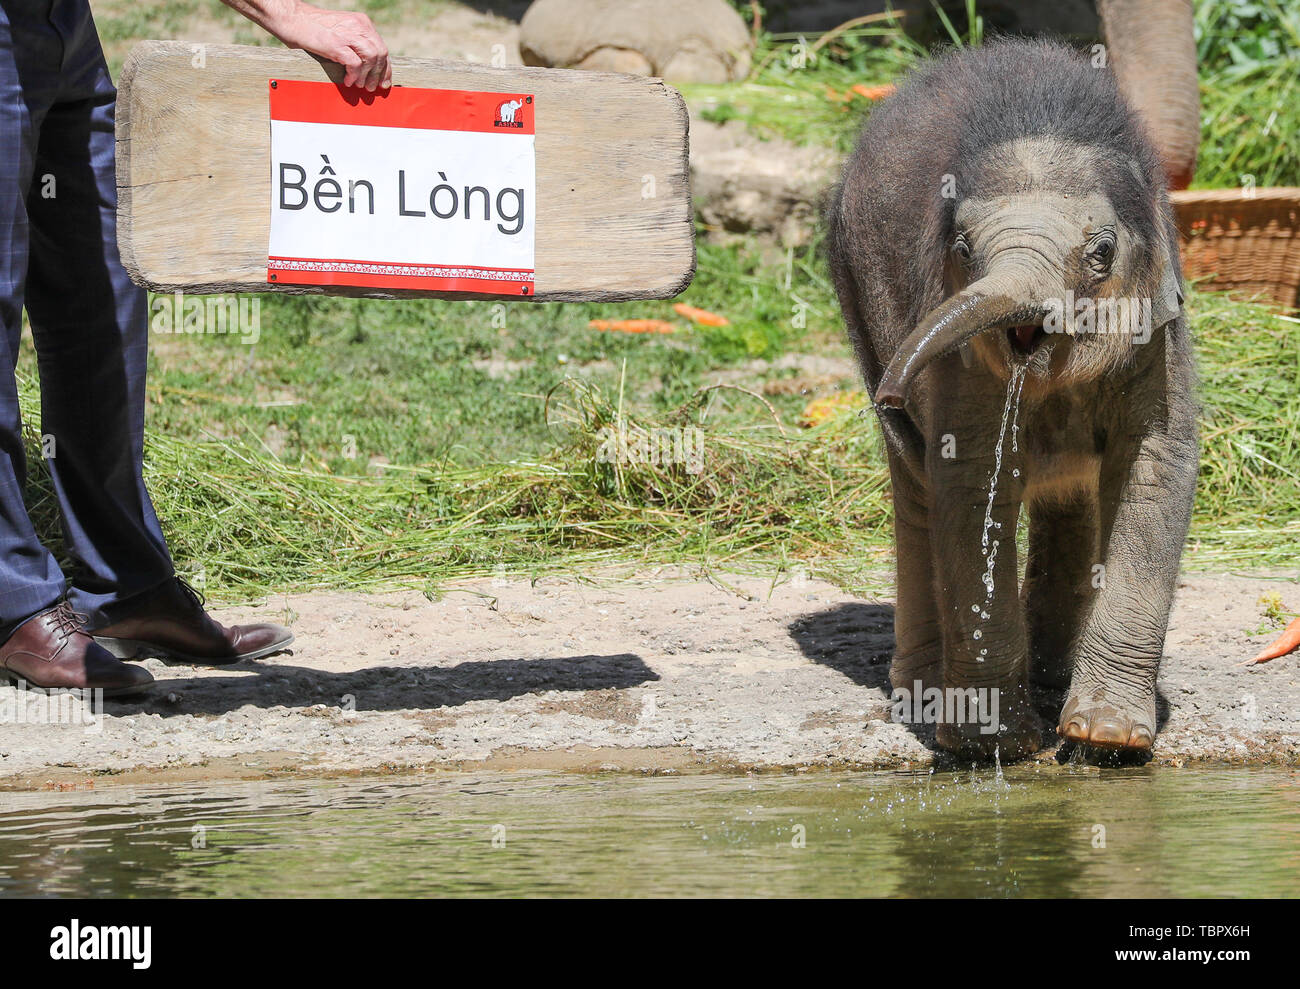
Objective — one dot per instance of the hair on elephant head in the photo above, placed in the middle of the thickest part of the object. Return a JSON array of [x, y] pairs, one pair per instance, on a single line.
[[1004, 220]]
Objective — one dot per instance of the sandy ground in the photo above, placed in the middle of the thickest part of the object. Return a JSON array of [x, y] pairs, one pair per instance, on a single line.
[[648, 675]]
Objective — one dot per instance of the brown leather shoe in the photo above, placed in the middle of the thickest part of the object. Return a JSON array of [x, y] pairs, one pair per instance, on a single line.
[[170, 623], [53, 651]]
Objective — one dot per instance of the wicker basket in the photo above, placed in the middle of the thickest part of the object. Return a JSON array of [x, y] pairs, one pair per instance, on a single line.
[[1249, 244]]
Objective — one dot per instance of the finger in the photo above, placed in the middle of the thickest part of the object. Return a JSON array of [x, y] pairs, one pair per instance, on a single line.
[[352, 63], [377, 72], [376, 53], [365, 49], [373, 51], [365, 70], [384, 64]]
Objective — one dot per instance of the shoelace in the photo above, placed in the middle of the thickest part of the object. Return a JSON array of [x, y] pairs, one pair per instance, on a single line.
[[66, 621], [196, 596]]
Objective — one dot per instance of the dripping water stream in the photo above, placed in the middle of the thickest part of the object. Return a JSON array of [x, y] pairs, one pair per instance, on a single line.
[[988, 545]]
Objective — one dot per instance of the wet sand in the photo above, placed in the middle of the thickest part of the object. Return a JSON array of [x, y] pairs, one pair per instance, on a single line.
[[646, 676]]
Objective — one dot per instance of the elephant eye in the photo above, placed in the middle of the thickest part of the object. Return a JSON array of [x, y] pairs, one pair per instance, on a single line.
[[1103, 252], [961, 247]]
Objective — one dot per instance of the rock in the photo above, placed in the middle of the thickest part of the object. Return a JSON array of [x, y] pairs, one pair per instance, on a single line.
[[678, 40], [453, 31], [743, 184]]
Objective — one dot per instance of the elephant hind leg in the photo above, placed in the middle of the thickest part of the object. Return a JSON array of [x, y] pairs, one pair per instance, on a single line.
[[1061, 579]]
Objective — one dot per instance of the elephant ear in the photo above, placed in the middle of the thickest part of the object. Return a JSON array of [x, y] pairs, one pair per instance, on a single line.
[[1168, 302]]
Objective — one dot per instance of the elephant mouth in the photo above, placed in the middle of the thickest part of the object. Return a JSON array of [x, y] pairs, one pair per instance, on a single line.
[[1026, 338]]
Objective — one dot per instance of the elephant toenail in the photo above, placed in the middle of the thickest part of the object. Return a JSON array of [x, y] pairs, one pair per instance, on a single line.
[[1108, 731], [1140, 739], [1076, 729]]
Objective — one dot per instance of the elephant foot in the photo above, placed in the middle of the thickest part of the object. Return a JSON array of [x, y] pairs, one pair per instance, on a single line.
[[905, 671], [1106, 723], [1006, 745], [1018, 734]]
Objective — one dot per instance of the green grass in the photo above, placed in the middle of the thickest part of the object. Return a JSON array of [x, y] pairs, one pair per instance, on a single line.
[[364, 444], [425, 381], [542, 501], [1249, 65], [800, 87]]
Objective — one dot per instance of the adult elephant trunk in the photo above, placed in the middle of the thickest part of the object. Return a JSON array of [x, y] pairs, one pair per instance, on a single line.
[[1002, 299], [1152, 51]]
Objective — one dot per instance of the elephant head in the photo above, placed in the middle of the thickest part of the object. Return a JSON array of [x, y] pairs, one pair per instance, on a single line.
[[1059, 257]]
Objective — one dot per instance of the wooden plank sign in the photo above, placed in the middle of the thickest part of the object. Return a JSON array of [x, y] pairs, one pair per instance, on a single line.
[[245, 169]]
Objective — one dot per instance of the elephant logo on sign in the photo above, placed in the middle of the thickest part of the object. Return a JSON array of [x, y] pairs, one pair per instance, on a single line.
[[506, 113]]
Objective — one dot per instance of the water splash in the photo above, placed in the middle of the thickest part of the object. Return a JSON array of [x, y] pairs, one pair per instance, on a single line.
[[988, 546], [1013, 399]]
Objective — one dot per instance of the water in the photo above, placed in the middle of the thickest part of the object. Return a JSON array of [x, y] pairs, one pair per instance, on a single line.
[[1012, 831], [1010, 409]]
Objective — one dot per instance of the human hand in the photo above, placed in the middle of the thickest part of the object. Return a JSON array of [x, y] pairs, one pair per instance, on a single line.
[[346, 37]]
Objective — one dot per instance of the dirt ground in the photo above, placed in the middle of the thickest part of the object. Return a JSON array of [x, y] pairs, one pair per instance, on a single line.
[[649, 675]]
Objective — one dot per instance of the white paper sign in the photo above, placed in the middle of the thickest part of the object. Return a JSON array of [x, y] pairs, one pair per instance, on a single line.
[[413, 188]]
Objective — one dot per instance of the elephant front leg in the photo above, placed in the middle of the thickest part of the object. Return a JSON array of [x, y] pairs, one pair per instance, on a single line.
[[1146, 504], [985, 651], [917, 664]]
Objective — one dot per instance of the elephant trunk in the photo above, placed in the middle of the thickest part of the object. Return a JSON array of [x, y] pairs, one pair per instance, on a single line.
[[995, 302]]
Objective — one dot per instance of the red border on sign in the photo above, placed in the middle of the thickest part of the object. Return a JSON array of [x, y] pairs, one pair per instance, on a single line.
[[516, 282], [401, 106]]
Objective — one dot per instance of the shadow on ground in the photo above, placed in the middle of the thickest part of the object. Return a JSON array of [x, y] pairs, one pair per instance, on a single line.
[[386, 688]]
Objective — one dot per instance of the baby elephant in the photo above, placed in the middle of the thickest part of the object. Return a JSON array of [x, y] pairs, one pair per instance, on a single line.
[[1007, 266]]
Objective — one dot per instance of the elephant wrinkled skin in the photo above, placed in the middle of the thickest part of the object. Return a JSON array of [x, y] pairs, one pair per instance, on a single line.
[[999, 197]]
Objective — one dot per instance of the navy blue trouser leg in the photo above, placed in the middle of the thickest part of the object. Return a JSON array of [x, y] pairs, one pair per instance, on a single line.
[[58, 201]]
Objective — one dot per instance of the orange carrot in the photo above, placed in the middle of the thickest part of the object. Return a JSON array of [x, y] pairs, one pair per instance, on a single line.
[[1288, 641], [874, 92], [701, 316], [820, 409], [837, 97], [632, 325]]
